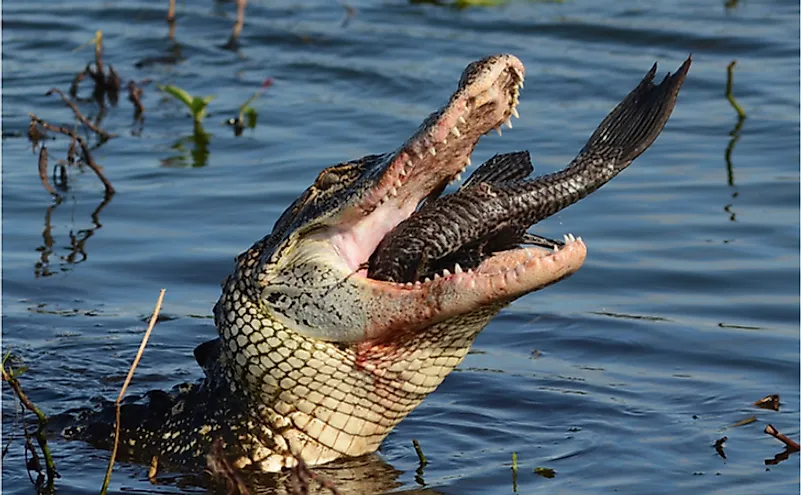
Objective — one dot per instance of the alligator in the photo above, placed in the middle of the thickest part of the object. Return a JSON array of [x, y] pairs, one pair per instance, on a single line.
[[372, 286]]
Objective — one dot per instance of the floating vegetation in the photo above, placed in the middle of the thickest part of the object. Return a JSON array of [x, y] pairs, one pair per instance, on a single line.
[[545, 472]]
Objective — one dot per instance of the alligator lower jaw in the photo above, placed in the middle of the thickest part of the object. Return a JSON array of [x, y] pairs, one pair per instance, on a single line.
[[501, 278]]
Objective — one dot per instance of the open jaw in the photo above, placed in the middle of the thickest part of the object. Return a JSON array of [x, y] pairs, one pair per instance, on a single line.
[[433, 157]]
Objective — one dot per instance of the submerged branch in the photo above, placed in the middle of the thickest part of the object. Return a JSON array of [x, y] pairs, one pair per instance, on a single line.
[[88, 123], [789, 442], [87, 155]]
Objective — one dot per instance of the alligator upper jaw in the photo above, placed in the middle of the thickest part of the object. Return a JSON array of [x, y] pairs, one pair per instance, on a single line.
[[434, 156]]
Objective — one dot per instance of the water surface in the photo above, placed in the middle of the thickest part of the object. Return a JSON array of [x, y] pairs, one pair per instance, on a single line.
[[620, 379]]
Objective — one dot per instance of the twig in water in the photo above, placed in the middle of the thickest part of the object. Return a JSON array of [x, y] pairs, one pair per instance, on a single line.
[[768, 402], [730, 88], [43, 171], [514, 472], [233, 41], [743, 422], [419, 450], [135, 363], [171, 20], [350, 13], [88, 123], [87, 155], [113, 85], [34, 135], [76, 81], [735, 132], [153, 469], [789, 442], [10, 377], [135, 95], [171, 12], [99, 51], [719, 446]]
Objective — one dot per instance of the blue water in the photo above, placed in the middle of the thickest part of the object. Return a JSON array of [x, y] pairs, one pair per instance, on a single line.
[[620, 379]]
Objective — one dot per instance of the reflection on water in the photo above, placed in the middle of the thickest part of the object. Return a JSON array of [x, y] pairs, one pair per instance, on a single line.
[[193, 149], [76, 248], [363, 475]]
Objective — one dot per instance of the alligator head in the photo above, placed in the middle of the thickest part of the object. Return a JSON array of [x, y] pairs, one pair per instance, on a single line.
[[331, 358]]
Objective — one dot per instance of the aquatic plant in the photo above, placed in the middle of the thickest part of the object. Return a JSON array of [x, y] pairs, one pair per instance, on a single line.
[[195, 104]]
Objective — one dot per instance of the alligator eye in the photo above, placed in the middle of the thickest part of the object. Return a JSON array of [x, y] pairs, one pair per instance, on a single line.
[[326, 180]]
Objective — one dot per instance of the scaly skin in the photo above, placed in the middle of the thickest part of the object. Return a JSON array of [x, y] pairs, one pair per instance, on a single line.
[[314, 359]]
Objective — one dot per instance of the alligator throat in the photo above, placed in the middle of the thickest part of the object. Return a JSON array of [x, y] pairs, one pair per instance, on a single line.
[[372, 286]]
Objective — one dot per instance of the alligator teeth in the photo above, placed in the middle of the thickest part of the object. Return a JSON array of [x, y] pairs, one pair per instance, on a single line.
[[498, 130], [393, 192], [432, 151], [579, 239], [458, 177], [462, 120], [569, 238], [555, 248], [446, 273], [520, 84], [469, 161], [457, 268], [419, 154], [514, 112], [409, 284], [437, 276], [566, 238], [455, 132], [509, 123], [398, 183], [427, 280]]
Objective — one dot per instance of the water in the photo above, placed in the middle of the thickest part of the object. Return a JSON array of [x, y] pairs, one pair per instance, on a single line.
[[620, 379]]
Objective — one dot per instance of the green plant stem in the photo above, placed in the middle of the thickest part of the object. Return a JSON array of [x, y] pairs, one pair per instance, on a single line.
[[41, 438]]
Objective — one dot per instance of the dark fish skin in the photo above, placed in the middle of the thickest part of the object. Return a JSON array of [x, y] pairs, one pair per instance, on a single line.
[[497, 204]]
